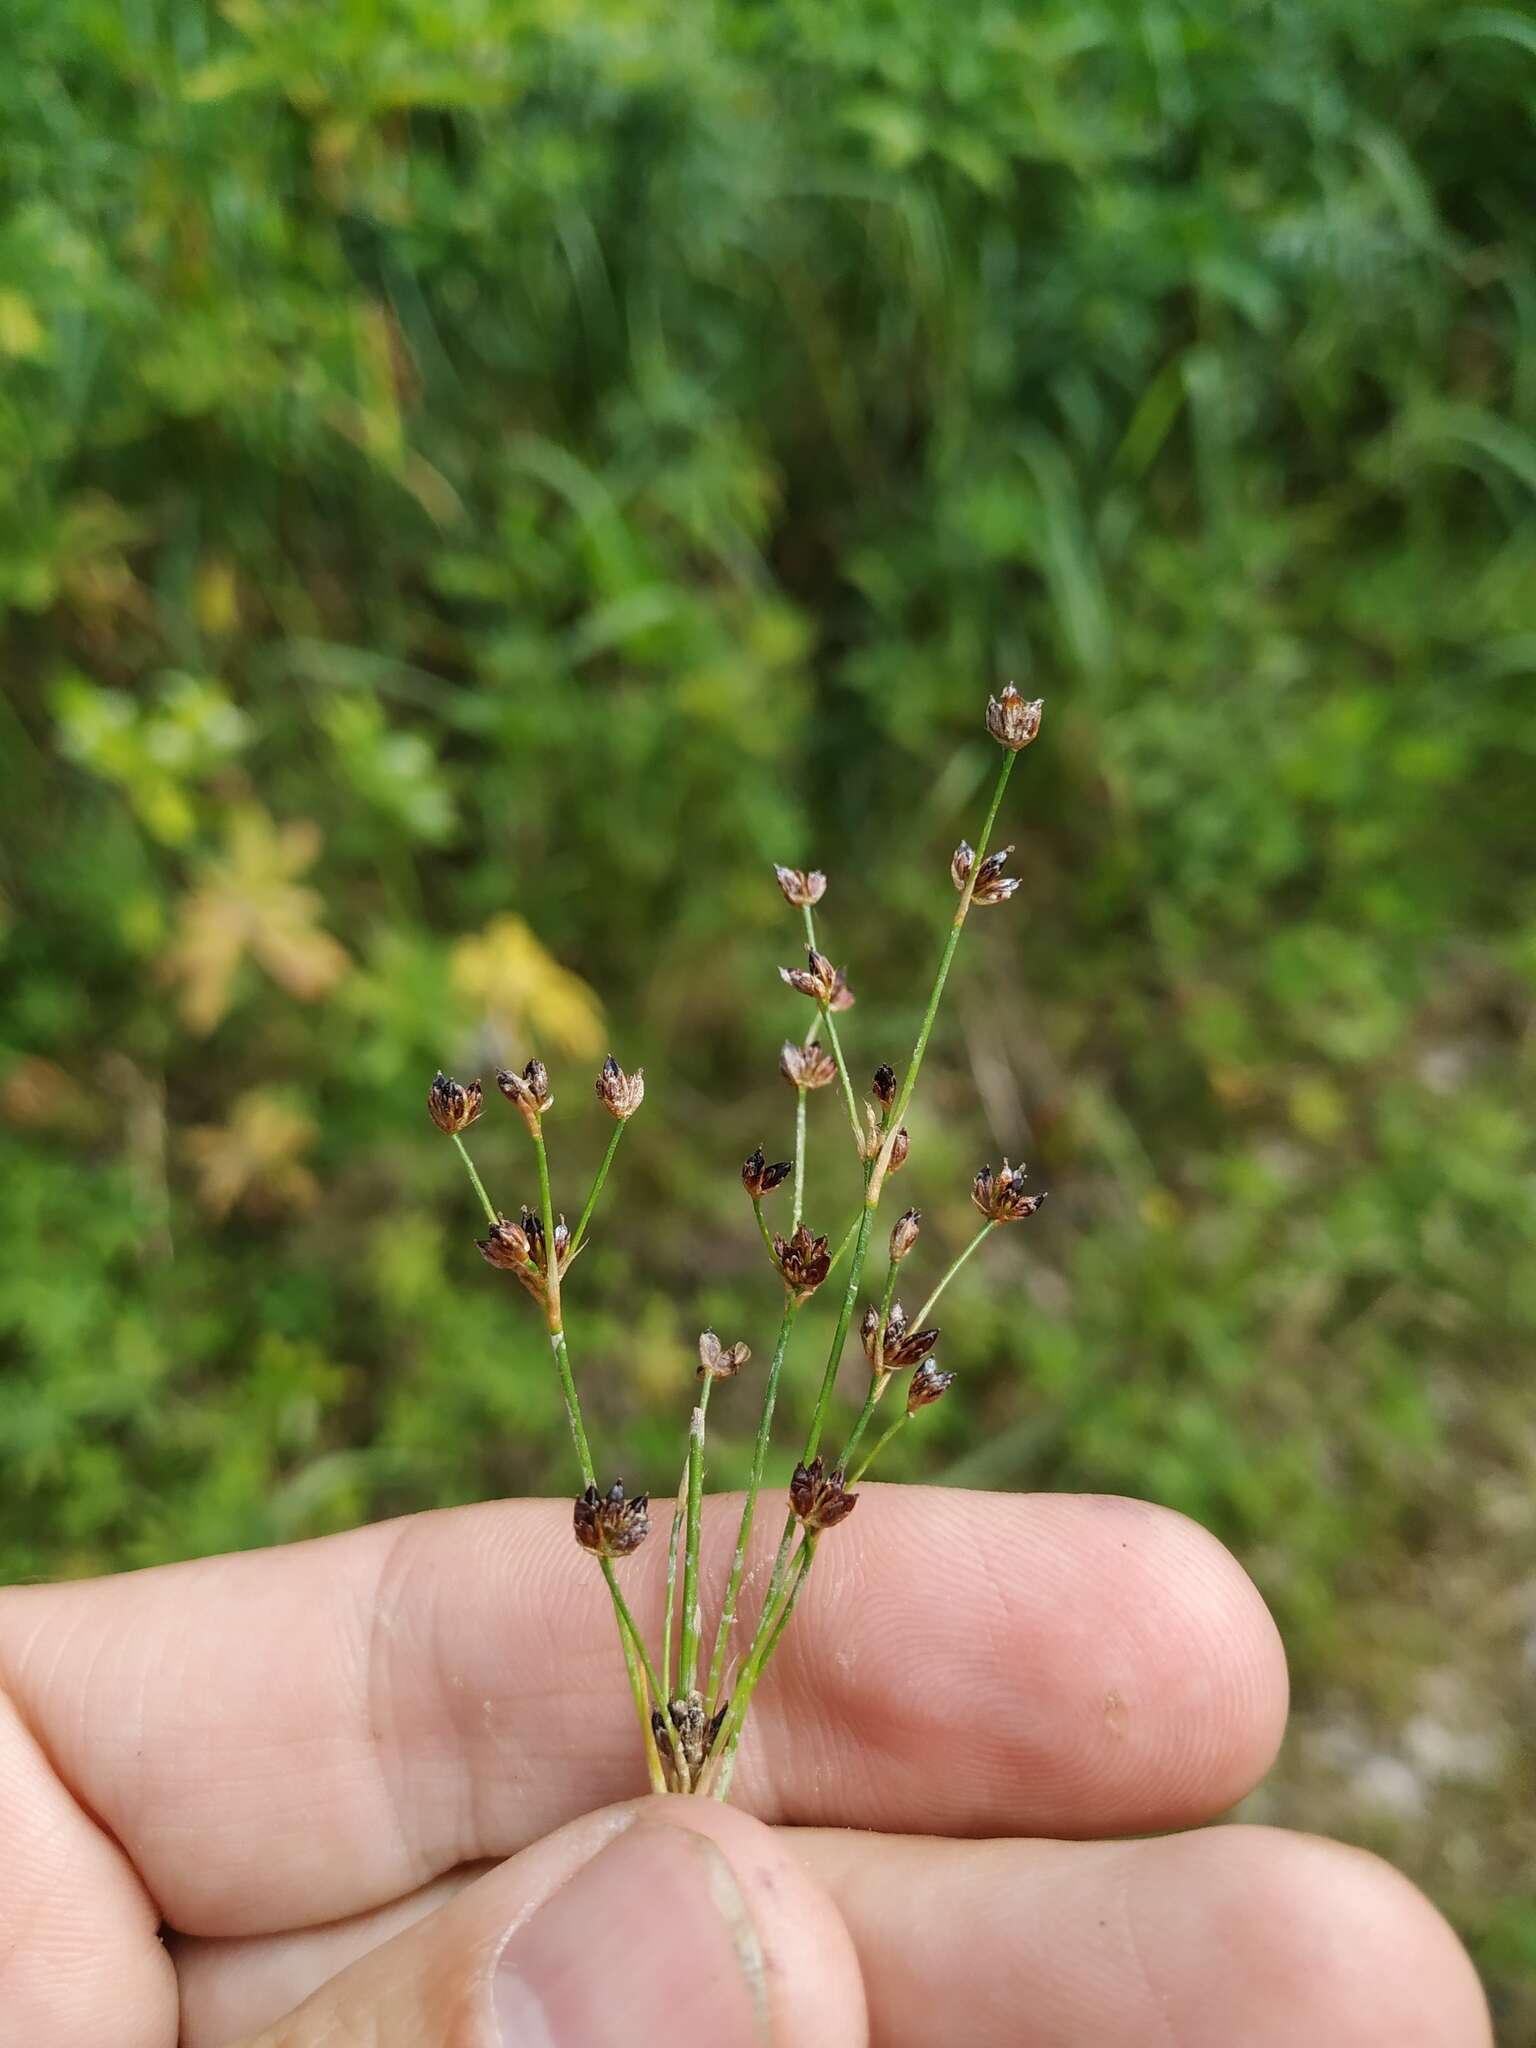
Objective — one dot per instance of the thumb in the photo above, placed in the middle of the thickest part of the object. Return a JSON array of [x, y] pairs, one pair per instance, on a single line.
[[672, 1919]]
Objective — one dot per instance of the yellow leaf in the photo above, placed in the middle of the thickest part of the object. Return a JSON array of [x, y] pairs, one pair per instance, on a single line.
[[521, 989], [21, 332], [254, 1158], [249, 903]]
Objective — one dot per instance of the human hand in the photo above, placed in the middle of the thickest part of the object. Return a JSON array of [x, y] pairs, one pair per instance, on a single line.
[[302, 1760]]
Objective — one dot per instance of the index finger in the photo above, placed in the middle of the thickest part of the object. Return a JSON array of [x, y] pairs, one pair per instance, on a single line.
[[283, 1738]]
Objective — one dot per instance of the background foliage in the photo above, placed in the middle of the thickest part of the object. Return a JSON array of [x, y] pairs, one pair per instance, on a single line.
[[479, 478]]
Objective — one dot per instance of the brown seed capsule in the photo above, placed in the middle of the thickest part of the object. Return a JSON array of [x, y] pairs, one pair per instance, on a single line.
[[800, 888], [991, 885], [528, 1092], [869, 1333], [719, 1361], [901, 1145], [819, 1497], [907, 1347], [1001, 1196], [759, 1178], [928, 1385], [609, 1525], [506, 1246], [960, 863], [904, 1234], [454, 1105], [803, 1261], [885, 1086], [817, 978], [620, 1094], [806, 1066], [1012, 722]]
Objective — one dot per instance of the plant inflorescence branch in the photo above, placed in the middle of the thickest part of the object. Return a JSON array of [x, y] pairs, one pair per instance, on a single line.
[[691, 1729]]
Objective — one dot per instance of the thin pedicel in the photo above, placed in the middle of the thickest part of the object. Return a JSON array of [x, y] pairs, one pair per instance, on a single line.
[[691, 1711]]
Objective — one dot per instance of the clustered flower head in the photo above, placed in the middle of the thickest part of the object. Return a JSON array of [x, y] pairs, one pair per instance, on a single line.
[[928, 1384], [819, 1497], [826, 985], [899, 1346], [609, 1525], [1001, 1196], [802, 889], [520, 1248], [806, 1066], [904, 1232], [719, 1361], [991, 884], [1012, 722], [620, 1094], [528, 1092], [759, 1178], [454, 1105], [803, 1260]]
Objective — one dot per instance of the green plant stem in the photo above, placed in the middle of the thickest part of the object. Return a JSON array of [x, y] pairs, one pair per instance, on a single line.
[[597, 1187], [634, 1642], [629, 1630], [679, 1510], [479, 1185], [770, 1628], [830, 1025], [927, 1308], [872, 1400], [749, 1504], [799, 1157], [764, 1231], [688, 1651], [846, 1245], [909, 1080], [874, 1180], [895, 1429], [629, 1642]]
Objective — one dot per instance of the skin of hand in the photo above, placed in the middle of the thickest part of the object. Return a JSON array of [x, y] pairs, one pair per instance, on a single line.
[[375, 1791]]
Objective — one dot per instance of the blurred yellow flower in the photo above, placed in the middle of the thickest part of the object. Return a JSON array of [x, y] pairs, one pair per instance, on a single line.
[[520, 989], [248, 902], [254, 1158]]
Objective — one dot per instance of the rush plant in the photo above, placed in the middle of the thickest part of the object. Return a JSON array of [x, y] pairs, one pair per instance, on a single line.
[[693, 1693]]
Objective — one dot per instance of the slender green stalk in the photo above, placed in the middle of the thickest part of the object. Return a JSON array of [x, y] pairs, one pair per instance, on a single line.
[[771, 1627], [688, 1669], [927, 1308], [877, 1386], [597, 1189], [846, 1245], [909, 1080], [764, 1231], [629, 1629], [874, 1180], [749, 1504], [679, 1510], [479, 1185], [840, 1335], [634, 1642], [829, 1023], [799, 1157], [896, 1427]]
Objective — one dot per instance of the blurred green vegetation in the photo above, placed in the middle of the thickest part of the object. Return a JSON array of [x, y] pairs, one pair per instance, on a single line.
[[480, 478]]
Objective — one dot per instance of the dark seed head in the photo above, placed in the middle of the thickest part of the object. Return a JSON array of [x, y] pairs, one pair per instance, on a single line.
[[801, 888], [819, 1497], [454, 1105], [506, 1246], [1001, 1196], [803, 1261], [904, 1233], [928, 1384], [759, 1178], [885, 1086], [620, 1094], [806, 1066], [1012, 722], [609, 1525]]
